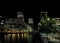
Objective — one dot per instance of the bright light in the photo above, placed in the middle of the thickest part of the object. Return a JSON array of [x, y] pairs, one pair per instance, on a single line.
[[2, 23], [41, 12], [48, 18], [2, 20], [30, 20], [0, 16], [13, 36], [45, 12], [39, 24]]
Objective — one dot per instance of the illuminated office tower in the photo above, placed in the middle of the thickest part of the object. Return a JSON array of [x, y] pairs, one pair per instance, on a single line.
[[20, 16], [30, 22]]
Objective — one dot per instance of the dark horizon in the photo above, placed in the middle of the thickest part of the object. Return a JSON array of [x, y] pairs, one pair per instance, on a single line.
[[29, 8]]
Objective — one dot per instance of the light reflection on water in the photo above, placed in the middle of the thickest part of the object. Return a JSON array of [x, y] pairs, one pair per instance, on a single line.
[[15, 38]]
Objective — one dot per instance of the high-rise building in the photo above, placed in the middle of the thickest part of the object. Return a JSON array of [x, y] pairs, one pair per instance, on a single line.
[[30, 20], [20, 16]]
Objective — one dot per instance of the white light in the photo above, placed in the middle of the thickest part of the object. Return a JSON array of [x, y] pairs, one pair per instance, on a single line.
[[2, 23], [2, 20], [0, 16], [53, 19], [41, 12], [30, 20], [39, 24], [56, 18], [48, 18]]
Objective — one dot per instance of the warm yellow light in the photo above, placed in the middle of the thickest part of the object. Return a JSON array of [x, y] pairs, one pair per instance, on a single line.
[[18, 36], [5, 30], [9, 31], [13, 36], [22, 35], [25, 35]]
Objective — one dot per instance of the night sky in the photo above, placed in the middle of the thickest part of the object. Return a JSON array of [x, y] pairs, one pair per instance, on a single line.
[[29, 8]]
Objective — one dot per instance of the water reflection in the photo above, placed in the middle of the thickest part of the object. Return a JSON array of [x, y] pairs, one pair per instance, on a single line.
[[16, 38]]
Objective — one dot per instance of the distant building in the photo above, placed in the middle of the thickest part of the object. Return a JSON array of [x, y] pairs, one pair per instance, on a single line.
[[17, 23], [20, 15], [30, 21]]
